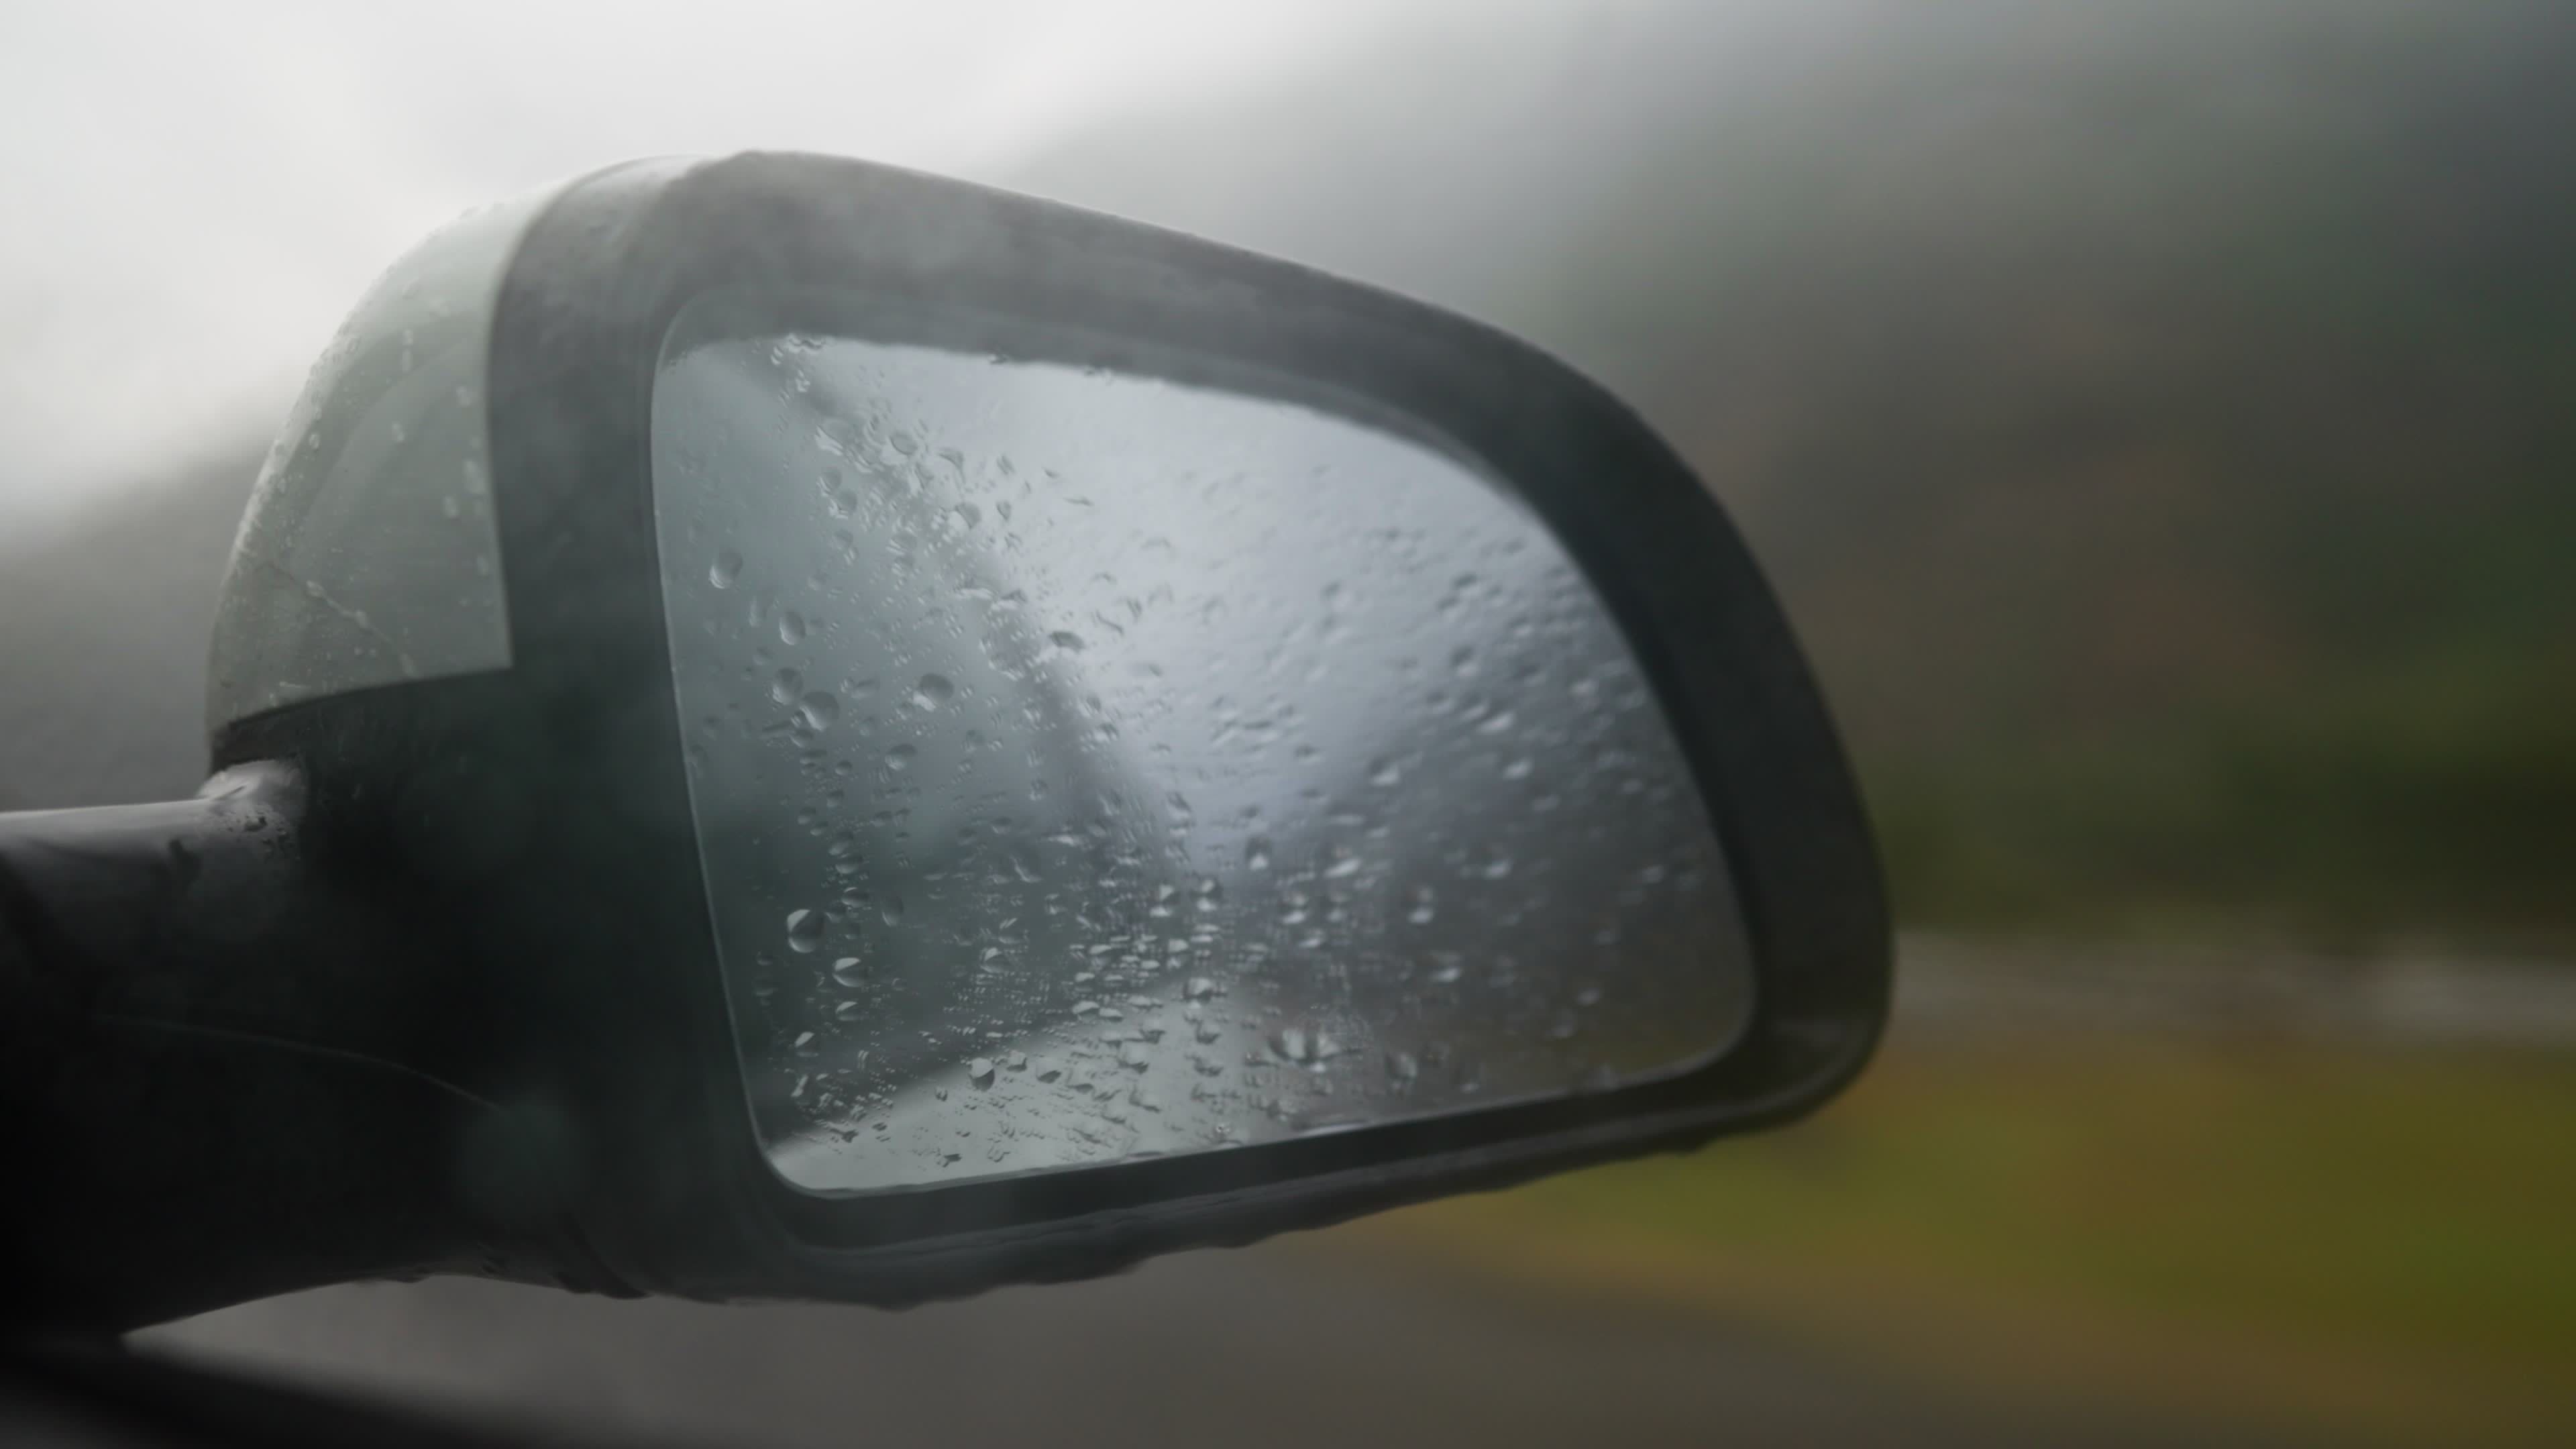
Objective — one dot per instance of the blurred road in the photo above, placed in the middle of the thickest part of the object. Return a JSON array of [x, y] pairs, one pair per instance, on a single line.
[[1950, 987], [1327, 1338], [1295, 1344]]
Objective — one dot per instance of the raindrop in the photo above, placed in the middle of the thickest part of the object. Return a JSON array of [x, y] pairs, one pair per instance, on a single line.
[[900, 757], [1383, 773], [980, 1071], [786, 685], [791, 627], [968, 515], [1424, 907], [819, 710], [932, 691], [726, 569], [1069, 642], [1256, 854], [1024, 865], [849, 1011], [849, 971], [890, 909], [1200, 988], [804, 930], [1518, 769]]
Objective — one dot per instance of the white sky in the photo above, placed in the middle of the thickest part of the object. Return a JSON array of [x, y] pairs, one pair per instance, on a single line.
[[196, 190]]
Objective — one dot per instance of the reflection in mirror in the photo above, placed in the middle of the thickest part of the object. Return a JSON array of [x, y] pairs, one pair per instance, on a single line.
[[1089, 766]]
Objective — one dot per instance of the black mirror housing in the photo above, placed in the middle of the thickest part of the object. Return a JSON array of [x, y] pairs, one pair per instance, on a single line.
[[527, 827]]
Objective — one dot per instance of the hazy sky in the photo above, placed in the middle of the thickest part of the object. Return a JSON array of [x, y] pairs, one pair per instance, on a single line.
[[197, 191]]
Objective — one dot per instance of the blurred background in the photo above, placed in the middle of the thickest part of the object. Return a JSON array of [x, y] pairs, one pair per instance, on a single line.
[[2160, 419]]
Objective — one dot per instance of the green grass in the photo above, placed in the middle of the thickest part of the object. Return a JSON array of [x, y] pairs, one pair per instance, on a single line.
[[2370, 1237], [2435, 801]]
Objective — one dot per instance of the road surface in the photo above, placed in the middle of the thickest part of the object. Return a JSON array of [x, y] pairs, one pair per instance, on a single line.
[[1298, 1343]]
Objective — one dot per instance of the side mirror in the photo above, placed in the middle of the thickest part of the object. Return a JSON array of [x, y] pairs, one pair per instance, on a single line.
[[787, 728]]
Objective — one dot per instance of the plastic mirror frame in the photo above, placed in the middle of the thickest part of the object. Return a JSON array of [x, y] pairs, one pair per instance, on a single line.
[[547, 810]]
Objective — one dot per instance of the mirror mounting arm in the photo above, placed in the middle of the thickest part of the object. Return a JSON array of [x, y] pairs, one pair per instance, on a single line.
[[203, 1088]]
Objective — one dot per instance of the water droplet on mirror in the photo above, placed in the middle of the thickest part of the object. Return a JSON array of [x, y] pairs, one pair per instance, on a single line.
[[932, 691], [726, 569], [804, 930]]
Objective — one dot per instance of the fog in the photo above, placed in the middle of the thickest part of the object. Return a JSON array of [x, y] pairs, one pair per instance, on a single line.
[[2152, 413], [199, 192]]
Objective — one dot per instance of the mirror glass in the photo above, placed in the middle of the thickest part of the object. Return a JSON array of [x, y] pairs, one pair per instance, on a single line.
[[1090, 765]]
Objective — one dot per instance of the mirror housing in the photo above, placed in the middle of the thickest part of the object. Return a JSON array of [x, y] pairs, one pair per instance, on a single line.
[[521, 815]]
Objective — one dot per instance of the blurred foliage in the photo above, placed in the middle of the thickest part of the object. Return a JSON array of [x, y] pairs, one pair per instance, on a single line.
[[2323, 1236], [2444, 805], [2161, 421]]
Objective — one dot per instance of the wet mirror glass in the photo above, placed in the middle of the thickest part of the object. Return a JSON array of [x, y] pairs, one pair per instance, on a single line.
[[1093, 761]]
